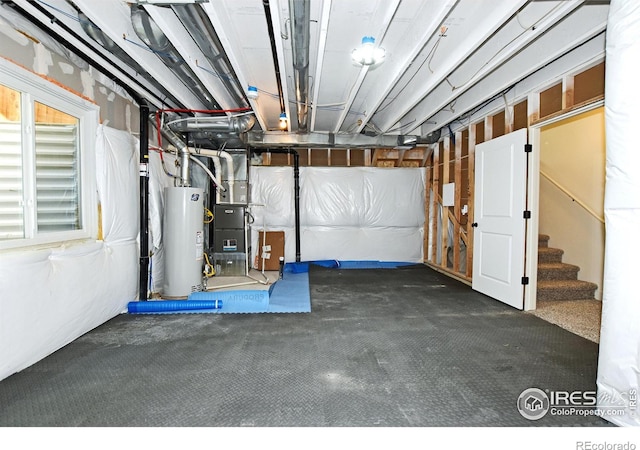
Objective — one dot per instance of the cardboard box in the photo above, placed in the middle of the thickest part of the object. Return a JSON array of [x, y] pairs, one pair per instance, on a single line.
[[273, 249]]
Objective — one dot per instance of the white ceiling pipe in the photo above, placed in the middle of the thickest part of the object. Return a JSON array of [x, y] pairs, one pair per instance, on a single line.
[[219, 154]]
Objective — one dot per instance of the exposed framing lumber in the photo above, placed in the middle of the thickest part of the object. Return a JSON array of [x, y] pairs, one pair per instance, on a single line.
[[445, 209], [471, 198], [457, 179], [434, 205]]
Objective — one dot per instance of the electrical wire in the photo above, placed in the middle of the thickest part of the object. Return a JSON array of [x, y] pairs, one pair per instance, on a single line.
[[531, 27], [208, 213], [209, 270]]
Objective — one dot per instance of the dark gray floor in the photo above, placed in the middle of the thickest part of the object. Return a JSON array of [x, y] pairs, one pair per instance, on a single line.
[[397, 347]]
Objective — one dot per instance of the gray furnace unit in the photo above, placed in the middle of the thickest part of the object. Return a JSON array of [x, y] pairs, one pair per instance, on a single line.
[[230, 239]]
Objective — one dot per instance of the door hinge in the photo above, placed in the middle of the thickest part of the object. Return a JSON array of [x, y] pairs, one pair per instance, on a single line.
[[526, 214], [528, 148], [525, 280]]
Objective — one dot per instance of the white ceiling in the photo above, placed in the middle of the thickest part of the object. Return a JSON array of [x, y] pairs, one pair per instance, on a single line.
[[442, 56]]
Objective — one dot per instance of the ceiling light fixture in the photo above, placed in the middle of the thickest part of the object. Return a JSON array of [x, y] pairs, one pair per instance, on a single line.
[[283, 121], [252, 92], [368, 54]]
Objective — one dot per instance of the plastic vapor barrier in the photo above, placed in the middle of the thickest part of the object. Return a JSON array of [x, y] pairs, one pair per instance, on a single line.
[[350, 213], [158, 181], [52, 296], [619, 360]]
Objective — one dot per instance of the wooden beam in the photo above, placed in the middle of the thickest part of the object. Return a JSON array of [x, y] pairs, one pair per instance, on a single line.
[[533, 107], [434, 206], [444, 235], [471, 197], [567, 91], [427, 212], [457, 179], [508, 119], [374, 160], [488, 128]]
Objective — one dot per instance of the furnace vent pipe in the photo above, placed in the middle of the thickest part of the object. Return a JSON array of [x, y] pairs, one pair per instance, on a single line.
[[183, 155], [231, 177]]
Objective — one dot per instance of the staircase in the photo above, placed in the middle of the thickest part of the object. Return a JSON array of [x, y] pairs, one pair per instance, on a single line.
[[557, 280]]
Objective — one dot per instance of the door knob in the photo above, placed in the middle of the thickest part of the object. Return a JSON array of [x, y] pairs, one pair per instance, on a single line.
[[474, 224]]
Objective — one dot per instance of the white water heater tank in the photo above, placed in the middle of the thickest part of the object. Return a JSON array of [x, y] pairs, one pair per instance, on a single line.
[[183, 238]]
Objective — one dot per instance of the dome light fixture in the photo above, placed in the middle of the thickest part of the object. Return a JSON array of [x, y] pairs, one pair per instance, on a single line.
[[283, 121], [252, 92], [368, 54]]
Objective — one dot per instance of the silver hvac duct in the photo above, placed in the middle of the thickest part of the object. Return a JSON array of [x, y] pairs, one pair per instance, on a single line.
[[150, 33], [240, 124], [267, 139], [197, 23], [300, 11], [107, 43], [183, 154]]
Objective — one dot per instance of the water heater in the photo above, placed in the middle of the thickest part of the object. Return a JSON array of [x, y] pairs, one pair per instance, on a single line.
[[183, 237]]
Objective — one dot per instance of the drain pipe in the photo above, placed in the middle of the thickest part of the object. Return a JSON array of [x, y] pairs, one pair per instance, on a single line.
[[144, 201], [296, 191]]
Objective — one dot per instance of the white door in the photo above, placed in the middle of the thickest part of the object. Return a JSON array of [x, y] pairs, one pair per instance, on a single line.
[[500, 199]]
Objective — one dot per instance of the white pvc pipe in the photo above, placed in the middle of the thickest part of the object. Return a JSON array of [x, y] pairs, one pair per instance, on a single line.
[[227, 157], [217, 182], [218, 167]]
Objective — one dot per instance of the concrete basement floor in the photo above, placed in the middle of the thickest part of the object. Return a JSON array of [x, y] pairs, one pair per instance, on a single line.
[[405, 347]]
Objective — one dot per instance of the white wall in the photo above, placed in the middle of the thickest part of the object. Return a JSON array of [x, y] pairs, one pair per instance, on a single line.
[[346, 213], [572, 152], [51, 295]]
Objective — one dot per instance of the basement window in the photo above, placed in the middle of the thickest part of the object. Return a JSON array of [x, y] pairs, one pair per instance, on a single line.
[[47, 163]]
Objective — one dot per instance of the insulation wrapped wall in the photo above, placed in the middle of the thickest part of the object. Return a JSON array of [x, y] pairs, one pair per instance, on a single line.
[[619, 360], [52, 296], [351, 213]]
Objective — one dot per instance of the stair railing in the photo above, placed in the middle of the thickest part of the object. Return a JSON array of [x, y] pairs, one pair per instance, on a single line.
[[571, 196]]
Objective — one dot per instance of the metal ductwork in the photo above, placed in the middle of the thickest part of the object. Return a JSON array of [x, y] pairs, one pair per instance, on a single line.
[[107, 43], [240, 124], [300, 11], [269, 139], [150, 33], [197, 23]]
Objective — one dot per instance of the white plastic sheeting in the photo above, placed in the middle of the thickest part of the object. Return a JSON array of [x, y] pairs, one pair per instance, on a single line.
[[158, 180], [351, 213], [52, 296], [619, 361]]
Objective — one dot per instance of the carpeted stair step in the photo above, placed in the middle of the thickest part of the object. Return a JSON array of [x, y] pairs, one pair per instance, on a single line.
[[566, 290], [557, 271], [549, 255], [543, 240]]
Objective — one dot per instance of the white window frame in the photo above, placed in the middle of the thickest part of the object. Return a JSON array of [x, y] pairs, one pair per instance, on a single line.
[[37, 89]]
